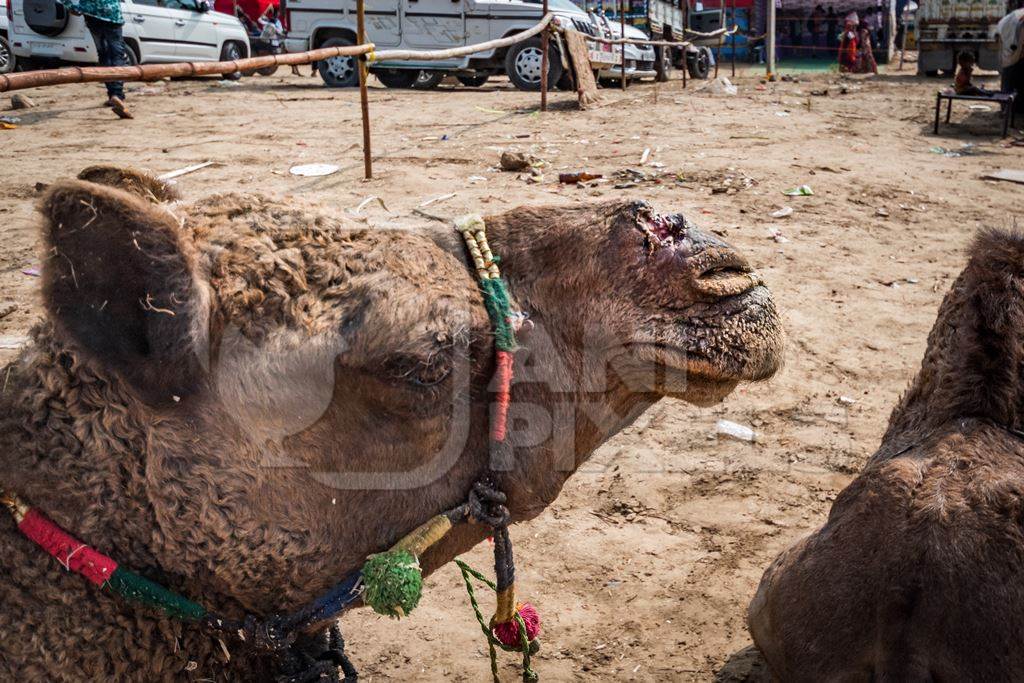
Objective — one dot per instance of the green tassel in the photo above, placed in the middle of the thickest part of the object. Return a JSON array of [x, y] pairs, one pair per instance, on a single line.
[[135, 588], [499, 310], [393, 582]]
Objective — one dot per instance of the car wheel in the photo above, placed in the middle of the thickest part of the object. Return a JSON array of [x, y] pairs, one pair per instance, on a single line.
[[231, 53], [131, 55], [662, 63], [7, 59], [473, 81], [699, 65], [523, 62], [339, 72], [428, 80], [267, 70], [397, 78]]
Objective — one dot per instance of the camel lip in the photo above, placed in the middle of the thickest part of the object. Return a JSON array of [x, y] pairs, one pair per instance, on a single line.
[[688, 363], [751, 361]]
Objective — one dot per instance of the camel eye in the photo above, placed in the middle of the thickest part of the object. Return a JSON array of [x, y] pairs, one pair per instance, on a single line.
[[419, 372]]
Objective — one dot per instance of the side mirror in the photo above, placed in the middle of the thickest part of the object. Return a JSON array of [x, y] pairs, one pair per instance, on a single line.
[[203, 6]]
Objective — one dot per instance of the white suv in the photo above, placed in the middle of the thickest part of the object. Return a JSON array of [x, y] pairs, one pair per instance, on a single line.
[[434, 24], [154, 31], [6, 56]]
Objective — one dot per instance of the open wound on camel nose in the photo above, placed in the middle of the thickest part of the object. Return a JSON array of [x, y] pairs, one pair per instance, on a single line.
[[661, 231]]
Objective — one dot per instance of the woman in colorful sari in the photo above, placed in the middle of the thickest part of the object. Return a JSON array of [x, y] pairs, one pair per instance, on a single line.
[[866, 63], [848, 47]]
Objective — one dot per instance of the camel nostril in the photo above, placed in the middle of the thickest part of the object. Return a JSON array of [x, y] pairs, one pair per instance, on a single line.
[[724, 272], [722, 265]]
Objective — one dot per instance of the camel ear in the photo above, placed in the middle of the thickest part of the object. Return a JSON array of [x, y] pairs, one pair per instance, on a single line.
[[128, 179], [119, 279]]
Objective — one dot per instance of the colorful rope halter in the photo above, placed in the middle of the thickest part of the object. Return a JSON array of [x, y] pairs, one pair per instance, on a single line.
[[390, 582]]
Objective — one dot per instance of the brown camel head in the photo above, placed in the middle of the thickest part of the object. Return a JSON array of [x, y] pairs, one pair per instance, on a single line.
[[305, 390]]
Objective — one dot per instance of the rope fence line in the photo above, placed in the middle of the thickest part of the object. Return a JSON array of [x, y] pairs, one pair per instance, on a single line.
[[152, 72], [663, 43], [365, 51]]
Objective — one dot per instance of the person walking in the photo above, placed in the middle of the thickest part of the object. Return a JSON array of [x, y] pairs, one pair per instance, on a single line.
[[105, 21]]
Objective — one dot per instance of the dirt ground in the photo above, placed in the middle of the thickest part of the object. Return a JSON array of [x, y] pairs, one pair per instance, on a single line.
[[644, 567]]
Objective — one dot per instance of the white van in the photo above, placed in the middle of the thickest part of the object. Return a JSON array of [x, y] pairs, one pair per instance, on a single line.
[[430, 25], [154, 31]]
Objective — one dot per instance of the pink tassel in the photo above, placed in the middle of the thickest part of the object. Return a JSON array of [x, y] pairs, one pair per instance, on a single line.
[[508, 633]]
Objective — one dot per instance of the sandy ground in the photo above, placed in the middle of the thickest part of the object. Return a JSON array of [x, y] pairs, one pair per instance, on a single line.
[[644, 567]]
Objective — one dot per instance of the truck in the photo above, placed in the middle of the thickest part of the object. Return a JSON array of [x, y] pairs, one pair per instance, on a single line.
[[670, 20], [946, 27], [438, 24]]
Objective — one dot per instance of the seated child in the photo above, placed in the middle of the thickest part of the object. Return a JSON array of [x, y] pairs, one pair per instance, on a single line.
[[962, 83]]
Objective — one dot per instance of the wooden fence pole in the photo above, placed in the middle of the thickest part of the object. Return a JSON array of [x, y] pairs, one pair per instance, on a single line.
[[622, 31], [364, 98], [544, 64], [732, 41]]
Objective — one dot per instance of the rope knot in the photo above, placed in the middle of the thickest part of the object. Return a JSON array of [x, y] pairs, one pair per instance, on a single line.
[[267, 635]]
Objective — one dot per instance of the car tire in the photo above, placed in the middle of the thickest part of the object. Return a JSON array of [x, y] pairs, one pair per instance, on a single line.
[[229, 53], [566, 83], [699, 65], [131, 54], [41, 20], [662, 63], [523, 60], [7, 59], [397, 78], [473, 81], [339, 72], [428, 80], [267, 70]]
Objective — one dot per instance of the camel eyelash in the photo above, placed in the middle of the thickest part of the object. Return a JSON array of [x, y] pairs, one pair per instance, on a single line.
[[417, 371]]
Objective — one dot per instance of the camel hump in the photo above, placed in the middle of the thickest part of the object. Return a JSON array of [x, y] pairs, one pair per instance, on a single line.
[[972, 367]]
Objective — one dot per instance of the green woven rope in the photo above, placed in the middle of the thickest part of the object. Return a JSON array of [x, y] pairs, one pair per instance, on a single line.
[[135, 588], [499, 309], [393, 582], [529, 675]]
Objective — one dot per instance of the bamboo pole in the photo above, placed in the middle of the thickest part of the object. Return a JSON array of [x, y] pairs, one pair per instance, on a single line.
[[622, 35], [732, 41], [686, 26], [364, 98], [718, 48], [770, 40], [152, 72], [544, 65]]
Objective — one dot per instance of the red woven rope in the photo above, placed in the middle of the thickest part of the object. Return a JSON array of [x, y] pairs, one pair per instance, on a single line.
[[503, 378], [73, 554]]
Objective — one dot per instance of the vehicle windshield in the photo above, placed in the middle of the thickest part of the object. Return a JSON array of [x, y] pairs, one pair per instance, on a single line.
[[557, 5]]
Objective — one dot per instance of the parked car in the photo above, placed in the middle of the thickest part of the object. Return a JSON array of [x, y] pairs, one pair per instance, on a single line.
[[433, 24], [154, 31], [640, 59], [7, 59]]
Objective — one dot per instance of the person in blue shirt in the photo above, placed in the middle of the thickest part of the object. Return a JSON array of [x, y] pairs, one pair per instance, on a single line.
[[105, 22]]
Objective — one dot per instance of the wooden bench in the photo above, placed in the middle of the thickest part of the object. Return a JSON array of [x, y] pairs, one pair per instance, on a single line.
[[1005, 100]]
